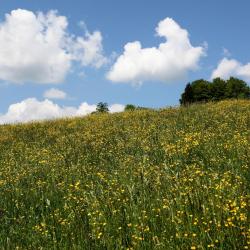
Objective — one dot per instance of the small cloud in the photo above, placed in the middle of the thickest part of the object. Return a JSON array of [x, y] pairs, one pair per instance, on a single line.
[[114, 108], [226, 52], [88, 50], [82, 25], [54, 94], [231, 67], [205, 46]]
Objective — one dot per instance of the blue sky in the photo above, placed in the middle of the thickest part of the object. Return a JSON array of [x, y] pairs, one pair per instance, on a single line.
[[219, 28]]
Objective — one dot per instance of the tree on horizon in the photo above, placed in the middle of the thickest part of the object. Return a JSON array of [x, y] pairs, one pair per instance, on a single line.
[[219, 89]]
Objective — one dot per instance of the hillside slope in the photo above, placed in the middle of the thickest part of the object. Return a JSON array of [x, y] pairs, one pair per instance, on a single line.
[[177, 178]]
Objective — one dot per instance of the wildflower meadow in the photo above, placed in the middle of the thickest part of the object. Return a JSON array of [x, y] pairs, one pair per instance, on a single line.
[[175, 178]]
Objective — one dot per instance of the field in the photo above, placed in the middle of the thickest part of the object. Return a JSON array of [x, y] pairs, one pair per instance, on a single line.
[[176, 178]]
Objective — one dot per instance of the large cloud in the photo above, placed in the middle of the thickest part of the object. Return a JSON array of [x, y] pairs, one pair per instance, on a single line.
[[31, 110], [38, 48], [231, 67], [168, 62]]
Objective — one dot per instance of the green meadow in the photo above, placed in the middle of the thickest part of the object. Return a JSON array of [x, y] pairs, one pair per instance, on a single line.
[[176, 178]]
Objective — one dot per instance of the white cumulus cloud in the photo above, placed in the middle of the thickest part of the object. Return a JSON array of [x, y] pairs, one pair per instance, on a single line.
[[85, 109], [116, 108], [231, 67], [32, 109], [37, 47], [88, 50], [170, 61], [54, 94]]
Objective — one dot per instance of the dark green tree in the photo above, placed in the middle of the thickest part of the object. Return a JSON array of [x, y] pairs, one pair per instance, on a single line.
[[130, 107], [237, 88], [201, 90], [102, 107], [219, 89], [187, 96]]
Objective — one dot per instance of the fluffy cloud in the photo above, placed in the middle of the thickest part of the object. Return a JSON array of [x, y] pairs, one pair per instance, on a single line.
[[31, 110], [54, 94], [116, 108], [88, 50], [85, 109], [231, 67], [38, 48], [168, 62]]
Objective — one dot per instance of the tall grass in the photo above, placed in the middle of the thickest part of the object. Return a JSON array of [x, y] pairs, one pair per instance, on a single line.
[[177, 178]]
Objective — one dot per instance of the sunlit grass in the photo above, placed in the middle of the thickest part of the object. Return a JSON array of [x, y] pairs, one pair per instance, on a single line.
[[177, 178]]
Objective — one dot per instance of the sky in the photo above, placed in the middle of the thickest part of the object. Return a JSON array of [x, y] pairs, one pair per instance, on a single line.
[[60, 58]]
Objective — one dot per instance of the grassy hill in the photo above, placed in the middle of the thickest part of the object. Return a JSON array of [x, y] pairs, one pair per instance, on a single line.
[[177, 178]]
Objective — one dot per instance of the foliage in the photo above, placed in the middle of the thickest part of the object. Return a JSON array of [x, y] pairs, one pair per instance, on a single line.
[[218, 89], [102, 107], [176, 178], [130, 107]]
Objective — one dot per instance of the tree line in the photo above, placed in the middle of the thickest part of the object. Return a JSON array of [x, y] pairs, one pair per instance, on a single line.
[[219, 89], [200, 91], [102, 107]]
